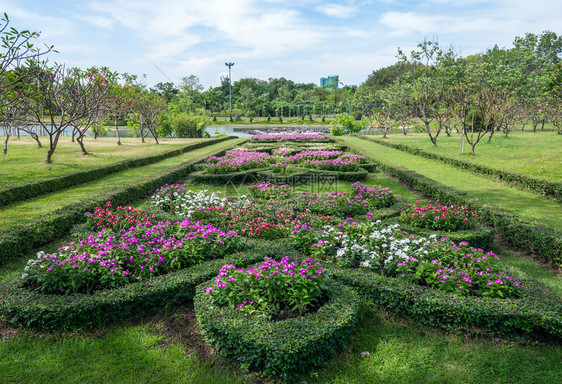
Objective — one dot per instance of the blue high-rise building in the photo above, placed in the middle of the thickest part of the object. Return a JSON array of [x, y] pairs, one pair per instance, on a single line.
[[330, 82]]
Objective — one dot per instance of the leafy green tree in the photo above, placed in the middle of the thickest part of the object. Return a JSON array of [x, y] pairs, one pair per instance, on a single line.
[[189, 125], [428, 72]]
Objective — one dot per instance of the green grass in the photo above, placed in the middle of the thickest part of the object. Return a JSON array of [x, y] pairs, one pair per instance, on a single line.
[[28, 210], [525, 204], [535, 154], [25, 161]]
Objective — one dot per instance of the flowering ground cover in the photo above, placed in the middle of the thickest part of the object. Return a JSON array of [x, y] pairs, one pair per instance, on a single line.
[[282, 159], [308, 137], [114, 257], [440, 218]]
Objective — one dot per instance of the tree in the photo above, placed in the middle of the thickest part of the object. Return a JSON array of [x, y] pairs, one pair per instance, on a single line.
[[147, 112], [94, 97], [58, 98], [16, 54], [428, 72], [167, 91], [120, 101]]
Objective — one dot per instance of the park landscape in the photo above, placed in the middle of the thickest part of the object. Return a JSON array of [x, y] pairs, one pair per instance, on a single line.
[[418, 242]]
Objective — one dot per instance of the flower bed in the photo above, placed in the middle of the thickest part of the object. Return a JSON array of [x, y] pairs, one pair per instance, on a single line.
[[437, 263], [281, 349], [536, 313], [439, 218], [269, 288], [244, 160], [180, 200], [268, 191], [344, 204], [290, 137], [113, 258], [235, 160], [45, 312]]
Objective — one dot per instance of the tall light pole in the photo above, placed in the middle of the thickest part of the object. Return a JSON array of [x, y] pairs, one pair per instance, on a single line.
[[229, 65]]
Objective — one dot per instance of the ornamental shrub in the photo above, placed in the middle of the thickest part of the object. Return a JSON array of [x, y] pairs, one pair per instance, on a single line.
[[269, 191], [438, 263], [121, 218], [269, 287], [109, 259], [440, 218]]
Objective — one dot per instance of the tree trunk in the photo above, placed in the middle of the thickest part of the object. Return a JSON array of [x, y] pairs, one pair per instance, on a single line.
[[542, 127], [36, 138], [73, 133], [117, 132], [80, 140], [6, 141], [52, 147]]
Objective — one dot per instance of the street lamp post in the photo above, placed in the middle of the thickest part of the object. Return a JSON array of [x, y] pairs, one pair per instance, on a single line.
[[229, 65]]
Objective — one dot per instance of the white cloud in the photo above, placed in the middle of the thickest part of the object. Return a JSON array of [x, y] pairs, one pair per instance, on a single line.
[[337, 10]]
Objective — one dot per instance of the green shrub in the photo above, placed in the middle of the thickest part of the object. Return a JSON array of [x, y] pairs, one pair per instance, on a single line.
[[283, 349], [189, 125], [537, 313], [52, 312]]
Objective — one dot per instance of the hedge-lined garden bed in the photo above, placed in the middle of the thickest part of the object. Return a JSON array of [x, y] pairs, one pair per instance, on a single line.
[[544, 187], [537, 313], [282, 349], [58, 312], [539, 240], [21, 192]]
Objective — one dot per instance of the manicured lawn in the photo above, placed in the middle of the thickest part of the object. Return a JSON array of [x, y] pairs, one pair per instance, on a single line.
[[30, 209], [25, 161], [490, 192], [535, 154]]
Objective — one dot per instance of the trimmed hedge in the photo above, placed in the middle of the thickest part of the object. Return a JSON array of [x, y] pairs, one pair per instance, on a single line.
[[544, 187], [479, 237], [50, 312], [284, 349], [20, 192], [537, 313], [537, 239], [256, 174], [21, 239]]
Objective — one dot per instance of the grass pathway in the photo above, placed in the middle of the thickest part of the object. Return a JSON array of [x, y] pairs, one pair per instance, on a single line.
[[28, 210], [525, 204]]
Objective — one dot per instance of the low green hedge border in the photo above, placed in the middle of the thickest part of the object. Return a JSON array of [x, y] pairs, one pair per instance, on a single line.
[[259, 174], [19, 240], [21, 192], [537, 314], [53, 313], [284, 349], [317, 174], [478, 237], [544, 187], [537, 239]]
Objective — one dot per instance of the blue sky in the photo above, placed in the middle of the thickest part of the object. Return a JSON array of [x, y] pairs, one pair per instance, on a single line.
[[301, 40]]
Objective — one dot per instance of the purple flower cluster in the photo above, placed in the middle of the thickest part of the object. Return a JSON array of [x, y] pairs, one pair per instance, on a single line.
[[266, 288], [268, 190], [290, 137], [237, 160], [110, 259], [355, 203]]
